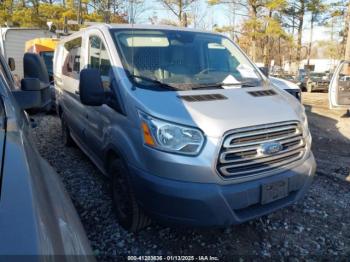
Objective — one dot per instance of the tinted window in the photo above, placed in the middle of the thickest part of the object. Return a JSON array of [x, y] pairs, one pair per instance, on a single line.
[[99, 59], [71, 65]]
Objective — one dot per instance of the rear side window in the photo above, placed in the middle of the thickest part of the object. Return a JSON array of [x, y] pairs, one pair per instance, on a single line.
[[6, 73], [99, 59], [72, 60]]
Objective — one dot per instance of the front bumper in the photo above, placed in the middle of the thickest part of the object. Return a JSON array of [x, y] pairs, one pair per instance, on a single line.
[[317, 87], [200, 204]]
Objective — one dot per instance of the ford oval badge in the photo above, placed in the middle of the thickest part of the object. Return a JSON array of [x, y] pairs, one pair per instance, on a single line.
[[270, 148]]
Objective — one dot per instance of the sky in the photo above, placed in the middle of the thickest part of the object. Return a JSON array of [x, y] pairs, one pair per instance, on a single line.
[[219, 15]]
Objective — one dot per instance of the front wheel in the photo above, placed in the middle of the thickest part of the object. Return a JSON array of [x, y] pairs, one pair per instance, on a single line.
[[129, 214]]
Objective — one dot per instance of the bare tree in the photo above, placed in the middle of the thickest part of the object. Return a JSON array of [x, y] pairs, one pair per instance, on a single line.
[[316, 8], [179, 9], [252, 8], [347, 22], [135, 10], [301, 8], [198, 14]]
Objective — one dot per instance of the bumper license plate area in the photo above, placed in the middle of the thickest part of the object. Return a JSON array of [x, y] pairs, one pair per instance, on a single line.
[[274, 191]]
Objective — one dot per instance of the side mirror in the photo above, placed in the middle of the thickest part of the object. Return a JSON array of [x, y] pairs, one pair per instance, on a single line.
[[265, 71], [34, 67], [30, 84], [91, 89], [12, 63], [35, 86], [30, 95]]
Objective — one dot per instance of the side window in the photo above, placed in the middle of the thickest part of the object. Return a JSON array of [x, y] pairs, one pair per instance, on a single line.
[[71, 65], [99, 59], [5, 71]]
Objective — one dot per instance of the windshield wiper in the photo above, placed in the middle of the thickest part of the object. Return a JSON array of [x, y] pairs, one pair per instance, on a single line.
[[154, 81], [220, 85]]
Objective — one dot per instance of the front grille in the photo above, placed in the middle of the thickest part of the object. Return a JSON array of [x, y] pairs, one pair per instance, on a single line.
[[240, 153]]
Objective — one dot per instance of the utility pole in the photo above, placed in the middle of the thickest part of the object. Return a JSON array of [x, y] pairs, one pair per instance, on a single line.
[[180, 14], [79, 13], [185, 21], [293, 29], [310, 42], [131, 14], [233, 20], [65, 25], [347, 22]]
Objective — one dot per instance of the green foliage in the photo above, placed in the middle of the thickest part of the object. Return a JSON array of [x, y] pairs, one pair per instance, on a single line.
[[31, 13], [276, 4]]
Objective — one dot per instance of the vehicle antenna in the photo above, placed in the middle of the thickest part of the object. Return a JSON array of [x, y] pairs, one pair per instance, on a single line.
[[131, 17]]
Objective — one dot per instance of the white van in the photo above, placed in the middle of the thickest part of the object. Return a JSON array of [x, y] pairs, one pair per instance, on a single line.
[[339, 88]]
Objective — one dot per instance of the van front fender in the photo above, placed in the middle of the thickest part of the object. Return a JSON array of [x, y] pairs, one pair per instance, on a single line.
[[125, 144]]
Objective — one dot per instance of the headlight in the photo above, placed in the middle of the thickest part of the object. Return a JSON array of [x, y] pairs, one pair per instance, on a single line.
[[305, 123], [170, 137]]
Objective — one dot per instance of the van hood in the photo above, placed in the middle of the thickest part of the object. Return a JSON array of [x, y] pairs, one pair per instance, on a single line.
[[238, 109]]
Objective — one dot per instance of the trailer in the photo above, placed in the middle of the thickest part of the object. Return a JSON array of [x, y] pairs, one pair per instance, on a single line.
[[12, 44]]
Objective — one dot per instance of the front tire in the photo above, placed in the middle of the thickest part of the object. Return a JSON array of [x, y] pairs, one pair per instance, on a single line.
[[128, 212], [66, 137]]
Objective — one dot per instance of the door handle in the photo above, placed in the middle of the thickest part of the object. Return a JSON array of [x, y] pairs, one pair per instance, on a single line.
[[76, 92]]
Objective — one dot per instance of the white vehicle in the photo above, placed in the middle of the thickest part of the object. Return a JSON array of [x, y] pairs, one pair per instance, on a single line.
[[12, 45], [339, 88], [185, 125], [283, 84], [287, 86]]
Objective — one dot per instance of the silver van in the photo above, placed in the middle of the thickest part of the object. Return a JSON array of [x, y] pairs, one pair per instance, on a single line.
[[188, 129]]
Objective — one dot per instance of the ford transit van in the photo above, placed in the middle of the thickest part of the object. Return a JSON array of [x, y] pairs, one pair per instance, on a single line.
[[185, 125]]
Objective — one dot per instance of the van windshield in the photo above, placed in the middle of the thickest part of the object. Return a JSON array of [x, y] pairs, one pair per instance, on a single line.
[[183, 60]]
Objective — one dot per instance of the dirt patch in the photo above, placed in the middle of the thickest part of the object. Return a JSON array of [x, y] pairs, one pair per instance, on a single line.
[[331, 135]]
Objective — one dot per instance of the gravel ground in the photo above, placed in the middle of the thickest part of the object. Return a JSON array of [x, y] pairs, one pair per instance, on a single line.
[[331, 135], [317, 226]]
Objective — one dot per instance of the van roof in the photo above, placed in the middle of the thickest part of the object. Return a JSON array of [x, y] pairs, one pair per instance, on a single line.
[[164, 27], [145, 26], [106, 27]]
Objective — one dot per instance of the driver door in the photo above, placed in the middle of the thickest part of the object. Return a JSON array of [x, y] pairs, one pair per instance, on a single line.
[[339, 88]]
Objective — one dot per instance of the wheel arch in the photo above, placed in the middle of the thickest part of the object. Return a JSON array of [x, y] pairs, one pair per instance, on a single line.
[[112, 153]]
